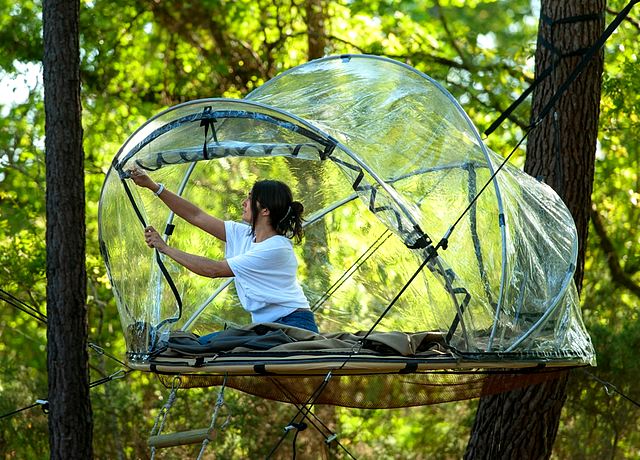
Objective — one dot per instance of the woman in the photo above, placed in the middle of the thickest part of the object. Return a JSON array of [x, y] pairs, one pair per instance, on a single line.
[[259, 255]]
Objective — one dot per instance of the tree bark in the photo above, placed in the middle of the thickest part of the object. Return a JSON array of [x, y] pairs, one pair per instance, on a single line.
[[316, 35], [70, 418], [561, 151]]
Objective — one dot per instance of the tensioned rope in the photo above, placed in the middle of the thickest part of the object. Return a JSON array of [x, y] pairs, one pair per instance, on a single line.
[[586, 58], [609, 387], [34, 312], [39, 402], [101, 351], [300, 426], [352, 269], [120, 374], [22, 306], [303, 412]]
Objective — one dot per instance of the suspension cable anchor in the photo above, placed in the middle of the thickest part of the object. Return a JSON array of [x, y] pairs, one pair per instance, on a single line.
[[332, 437], [98, 349], [44, 405], [296, 426]]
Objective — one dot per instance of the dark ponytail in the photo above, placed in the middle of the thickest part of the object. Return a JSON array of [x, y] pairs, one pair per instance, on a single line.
[[285, 214], [291, 224]]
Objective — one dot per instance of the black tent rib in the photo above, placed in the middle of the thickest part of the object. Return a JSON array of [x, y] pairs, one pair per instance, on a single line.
[[421, 240], [209, 116], [473, 227], [163, 268]]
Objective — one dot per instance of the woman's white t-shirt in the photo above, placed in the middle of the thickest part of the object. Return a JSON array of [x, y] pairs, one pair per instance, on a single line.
[[265, 273]]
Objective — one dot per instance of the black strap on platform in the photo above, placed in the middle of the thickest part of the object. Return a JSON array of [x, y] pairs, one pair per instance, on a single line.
[[409, 368]]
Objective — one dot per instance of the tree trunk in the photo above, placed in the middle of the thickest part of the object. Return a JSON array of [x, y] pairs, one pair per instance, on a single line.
[[316, 36], [561, 151], [70, 418]]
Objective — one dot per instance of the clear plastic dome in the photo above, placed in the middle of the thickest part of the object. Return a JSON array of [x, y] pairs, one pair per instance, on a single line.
[[385, 161]]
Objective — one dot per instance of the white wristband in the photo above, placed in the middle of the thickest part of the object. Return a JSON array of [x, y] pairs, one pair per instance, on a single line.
[[160, 189]]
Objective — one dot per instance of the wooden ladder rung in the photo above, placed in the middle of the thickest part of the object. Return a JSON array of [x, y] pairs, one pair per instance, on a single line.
[[179, 438]]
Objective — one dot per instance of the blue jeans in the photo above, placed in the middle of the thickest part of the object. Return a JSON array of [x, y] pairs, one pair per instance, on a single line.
[[300, 318]]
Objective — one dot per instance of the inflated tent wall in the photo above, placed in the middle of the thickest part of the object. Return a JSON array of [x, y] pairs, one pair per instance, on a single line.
[[385, 162]]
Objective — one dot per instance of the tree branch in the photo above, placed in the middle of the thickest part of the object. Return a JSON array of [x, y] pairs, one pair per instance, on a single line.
[[492, 105], [618, 275], [634, 22], [452, 39]]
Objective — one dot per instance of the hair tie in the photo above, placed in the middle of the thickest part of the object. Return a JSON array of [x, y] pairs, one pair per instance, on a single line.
[[285, 216]]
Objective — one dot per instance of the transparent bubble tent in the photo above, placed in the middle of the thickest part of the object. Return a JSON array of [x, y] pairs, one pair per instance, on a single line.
[[390, 169]]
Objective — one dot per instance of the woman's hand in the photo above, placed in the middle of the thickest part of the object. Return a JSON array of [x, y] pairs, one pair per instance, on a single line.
[[154, 240], [142, 179], [197, 264]]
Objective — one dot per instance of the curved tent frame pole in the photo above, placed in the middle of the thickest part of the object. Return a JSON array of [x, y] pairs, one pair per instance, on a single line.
[[307, 131], [553, 306], [202, 117]]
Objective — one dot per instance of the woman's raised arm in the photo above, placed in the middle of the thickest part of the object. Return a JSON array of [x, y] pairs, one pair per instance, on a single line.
[[183, 208]]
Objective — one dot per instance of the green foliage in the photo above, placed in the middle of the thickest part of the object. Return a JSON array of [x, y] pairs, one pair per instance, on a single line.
[[434, 432], [20, 33], [140, 57]]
